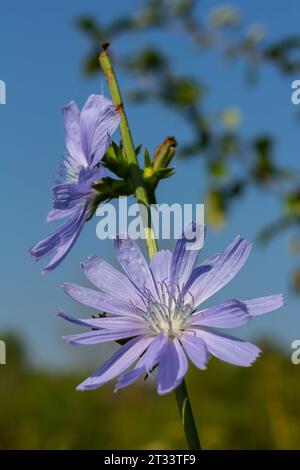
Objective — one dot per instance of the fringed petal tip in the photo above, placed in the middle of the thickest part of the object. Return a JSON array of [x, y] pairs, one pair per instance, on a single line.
[[33, 252], [67, 339], [278, 301], [256, 354], [83, 387], [253, 359], [87, 260], [259, 353], [263, 305], [45, 271]]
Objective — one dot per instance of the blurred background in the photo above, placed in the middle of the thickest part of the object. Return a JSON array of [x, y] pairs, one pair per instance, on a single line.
[[217, 76]]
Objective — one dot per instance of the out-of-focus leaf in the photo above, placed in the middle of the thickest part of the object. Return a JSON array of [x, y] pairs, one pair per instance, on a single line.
[[89, 26], [153, 14], [138, 96], [218, 168], [292, 203], [274, 228], [263, 169], [231, 118], [286, 54], [121, 25], [296, 281], [91, 64], [184, 7], [294, 246], [229, 144], [256, 33], [146, 61], [215, 211], [224, 16], [182, 92]]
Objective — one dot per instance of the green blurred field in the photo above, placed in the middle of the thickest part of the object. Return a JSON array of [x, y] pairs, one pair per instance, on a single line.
[[236, 408]]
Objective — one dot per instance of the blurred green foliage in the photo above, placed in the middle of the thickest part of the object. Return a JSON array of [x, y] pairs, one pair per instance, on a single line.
[[234, 163], [235, 408]]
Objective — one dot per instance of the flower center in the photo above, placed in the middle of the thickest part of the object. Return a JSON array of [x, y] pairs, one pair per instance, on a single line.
[[167, 313]]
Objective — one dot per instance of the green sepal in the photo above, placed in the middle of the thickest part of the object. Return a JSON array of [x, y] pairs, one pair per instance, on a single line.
[[115, 161], [147, 158], [107, 189]]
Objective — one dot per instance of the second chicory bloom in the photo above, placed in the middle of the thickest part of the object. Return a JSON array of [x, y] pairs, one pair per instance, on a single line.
[[87, 138], [155, 309]]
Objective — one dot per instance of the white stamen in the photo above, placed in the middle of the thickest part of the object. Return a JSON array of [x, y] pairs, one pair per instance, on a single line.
[[170, 313]]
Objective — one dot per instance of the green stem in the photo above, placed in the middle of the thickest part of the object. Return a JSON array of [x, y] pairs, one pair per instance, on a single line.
[[135, 171], [187, 417], [142, 198]]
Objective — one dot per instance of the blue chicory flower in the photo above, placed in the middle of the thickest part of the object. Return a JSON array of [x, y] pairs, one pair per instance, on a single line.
[[87, 138], [155, 308]]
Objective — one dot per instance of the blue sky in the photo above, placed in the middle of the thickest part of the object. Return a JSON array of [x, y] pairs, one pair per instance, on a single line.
[[40, 55]]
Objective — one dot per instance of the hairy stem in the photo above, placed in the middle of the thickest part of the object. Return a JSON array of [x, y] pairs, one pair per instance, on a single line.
[[130, 154]]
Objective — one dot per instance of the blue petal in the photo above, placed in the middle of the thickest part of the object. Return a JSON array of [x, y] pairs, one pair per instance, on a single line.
[[228, 314], [71, 117], [224, 269], [98, 121], [229, 349], [123, 358], [61, 240], [173, 366], [185, 254]]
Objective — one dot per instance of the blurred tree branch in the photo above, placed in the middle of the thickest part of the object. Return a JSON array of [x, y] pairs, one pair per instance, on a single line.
[[216, 138]]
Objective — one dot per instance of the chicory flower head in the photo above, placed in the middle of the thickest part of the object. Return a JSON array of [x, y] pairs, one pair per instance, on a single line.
[[87, 138], [156, 309]]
